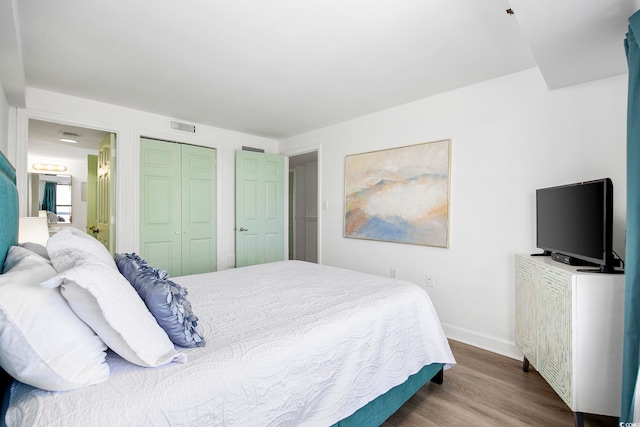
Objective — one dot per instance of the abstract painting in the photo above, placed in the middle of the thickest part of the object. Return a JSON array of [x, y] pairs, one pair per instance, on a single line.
[[399, 194]]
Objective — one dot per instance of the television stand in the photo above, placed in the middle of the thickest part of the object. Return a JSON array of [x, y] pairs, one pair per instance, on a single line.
[[569, 327], [604, 269]]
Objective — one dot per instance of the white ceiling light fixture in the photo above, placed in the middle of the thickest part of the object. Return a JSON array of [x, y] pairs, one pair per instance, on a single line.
[[47, 167], [69, 140]]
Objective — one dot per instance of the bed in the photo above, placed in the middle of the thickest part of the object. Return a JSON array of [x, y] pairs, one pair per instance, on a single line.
[[287, 343]]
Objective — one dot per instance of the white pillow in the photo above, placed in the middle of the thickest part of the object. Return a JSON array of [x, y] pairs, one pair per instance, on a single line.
[[105, 300], [71, 246], [42, 341]]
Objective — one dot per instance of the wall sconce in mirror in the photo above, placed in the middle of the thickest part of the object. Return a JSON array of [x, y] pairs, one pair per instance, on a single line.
[[48, 167]]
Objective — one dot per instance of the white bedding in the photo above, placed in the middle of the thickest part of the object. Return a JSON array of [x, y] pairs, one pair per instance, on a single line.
[[288, 343]]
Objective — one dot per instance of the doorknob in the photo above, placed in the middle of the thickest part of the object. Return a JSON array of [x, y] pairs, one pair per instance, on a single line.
[[243, 229]]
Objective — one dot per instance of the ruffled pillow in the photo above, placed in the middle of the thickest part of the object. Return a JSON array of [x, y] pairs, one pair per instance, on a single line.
[[165, 299]]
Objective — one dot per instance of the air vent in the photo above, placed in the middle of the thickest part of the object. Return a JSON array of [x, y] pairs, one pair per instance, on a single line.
[[67, 134], [183, 126], [257, 150]]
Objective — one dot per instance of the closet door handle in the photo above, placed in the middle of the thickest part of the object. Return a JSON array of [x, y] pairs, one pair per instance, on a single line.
[[243, 229]]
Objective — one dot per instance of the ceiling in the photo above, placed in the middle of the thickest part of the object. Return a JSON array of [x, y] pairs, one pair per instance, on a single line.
[[283, 67], [44, 140]]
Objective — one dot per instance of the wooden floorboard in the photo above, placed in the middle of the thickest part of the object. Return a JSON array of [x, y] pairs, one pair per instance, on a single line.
[[487, 389]]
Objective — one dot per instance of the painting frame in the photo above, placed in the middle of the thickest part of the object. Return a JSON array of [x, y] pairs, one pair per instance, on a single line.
[[399, 194]]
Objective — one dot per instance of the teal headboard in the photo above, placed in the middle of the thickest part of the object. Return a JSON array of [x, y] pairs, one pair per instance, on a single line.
[[8, 207]]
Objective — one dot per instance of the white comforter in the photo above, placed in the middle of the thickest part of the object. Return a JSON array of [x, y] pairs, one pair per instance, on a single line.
[[288, 343]]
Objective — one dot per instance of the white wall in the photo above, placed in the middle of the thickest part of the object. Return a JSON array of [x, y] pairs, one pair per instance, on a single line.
[[129, 125], [4, 123], [509, 136]]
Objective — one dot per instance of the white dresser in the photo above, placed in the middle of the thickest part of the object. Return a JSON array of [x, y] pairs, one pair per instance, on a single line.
[[569, 326]]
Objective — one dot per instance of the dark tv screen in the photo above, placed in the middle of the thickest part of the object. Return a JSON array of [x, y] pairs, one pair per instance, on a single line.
[[576, 220]]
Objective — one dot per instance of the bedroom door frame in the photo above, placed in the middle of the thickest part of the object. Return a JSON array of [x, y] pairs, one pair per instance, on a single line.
[[321, 206], [303, 206], [19, 151]]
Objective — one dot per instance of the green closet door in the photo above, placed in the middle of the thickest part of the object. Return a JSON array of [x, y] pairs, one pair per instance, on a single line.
[[161, 205], [198, 209]]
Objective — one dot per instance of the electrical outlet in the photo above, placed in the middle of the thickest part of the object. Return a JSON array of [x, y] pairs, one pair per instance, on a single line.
[[430, 281], [392, 273]]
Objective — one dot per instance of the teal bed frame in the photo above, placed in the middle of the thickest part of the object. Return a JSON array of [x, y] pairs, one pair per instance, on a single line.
[[372, 414], [379, 409], [8, 207]]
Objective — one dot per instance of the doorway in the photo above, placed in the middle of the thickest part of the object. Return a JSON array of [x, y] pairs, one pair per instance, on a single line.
[[66, 149], [303, 207]]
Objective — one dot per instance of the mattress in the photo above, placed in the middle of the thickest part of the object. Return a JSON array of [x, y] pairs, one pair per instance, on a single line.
[[288, 344]]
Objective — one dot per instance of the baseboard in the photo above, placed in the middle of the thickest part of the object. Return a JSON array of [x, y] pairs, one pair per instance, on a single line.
[[484, 342]]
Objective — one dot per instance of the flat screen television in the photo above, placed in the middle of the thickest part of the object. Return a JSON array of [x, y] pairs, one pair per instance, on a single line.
[[574, 223]]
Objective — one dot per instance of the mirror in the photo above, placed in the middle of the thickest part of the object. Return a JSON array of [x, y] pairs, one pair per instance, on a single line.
[[50, 196]]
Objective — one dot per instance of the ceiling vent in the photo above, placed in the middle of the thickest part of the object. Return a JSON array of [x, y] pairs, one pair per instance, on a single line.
[[68, 134], [183, 126], [257, 150]]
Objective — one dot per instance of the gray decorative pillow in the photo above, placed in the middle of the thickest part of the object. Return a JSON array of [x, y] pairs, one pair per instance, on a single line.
[[130, 265], [36, 248], [165, 299]]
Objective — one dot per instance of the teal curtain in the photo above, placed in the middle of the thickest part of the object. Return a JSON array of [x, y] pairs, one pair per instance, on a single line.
[[631, 353], [49, 199]]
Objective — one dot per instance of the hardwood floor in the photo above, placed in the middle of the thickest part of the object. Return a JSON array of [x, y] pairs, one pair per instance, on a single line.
[[487, 389]]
